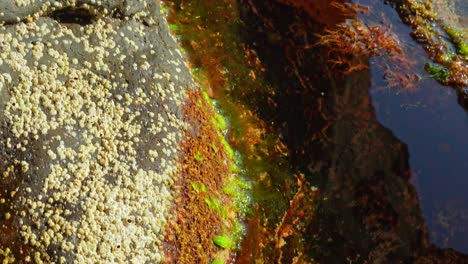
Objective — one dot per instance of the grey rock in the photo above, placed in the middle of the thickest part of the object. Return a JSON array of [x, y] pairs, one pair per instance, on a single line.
[[91, 95]]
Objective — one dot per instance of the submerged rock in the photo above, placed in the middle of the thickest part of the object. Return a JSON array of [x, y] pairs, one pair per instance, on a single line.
[[441, 29]]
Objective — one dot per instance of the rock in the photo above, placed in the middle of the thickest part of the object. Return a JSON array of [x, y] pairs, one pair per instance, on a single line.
[[91, 95]]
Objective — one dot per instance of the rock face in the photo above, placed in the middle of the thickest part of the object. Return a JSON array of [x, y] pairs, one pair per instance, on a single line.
[[91, 119]]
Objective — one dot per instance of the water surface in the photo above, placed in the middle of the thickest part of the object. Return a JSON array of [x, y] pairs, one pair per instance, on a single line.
[[434, 126]]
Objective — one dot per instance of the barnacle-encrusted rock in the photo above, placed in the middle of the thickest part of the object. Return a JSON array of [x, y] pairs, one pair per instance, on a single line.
[[91, 119]]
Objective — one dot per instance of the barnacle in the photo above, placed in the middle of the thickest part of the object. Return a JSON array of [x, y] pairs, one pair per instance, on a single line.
[[97, 191]]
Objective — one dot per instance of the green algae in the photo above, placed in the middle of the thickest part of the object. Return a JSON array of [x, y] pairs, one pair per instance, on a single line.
[[199, 188], [237, 186], [437, 72], [440, 37], [213, 203], [455, 34], [174, 27], [447, 57], [195, 187], [198, 156], [216, 206], [253, 168], [221, 122], [214, 147], [203, 187], [457, 37], [223, 241], [463, 49], [164, 10], [227, 147]]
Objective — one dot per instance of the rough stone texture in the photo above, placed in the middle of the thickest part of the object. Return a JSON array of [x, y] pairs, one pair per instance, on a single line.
[[91, 95], [13, 11]]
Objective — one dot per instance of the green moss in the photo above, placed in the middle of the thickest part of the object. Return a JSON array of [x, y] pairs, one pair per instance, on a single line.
[[217, 261], [198, 156], [223, 241], [437, 72]]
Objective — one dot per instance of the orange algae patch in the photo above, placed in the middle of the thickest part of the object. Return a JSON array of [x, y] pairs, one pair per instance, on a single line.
[[295, 221], [231, 72], [352, 42], [204, 169], [203, 36], [287, 242]]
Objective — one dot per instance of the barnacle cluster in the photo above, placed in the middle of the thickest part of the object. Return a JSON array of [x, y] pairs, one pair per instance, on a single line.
[[93, 115]]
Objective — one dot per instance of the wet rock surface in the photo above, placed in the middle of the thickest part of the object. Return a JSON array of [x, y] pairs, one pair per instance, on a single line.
[[91, 120]]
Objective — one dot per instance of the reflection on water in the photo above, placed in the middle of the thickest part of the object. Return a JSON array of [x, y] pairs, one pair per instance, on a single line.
[[389, 163], [434, 127]]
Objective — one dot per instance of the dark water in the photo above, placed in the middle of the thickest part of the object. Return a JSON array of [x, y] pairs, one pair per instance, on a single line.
[[435, 129], [434, 126], [390, 162]]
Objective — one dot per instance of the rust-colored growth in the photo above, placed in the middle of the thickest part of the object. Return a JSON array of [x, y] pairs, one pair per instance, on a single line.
[[294, 222], [252, 131], [10, 182], [189, 236], [355, 38], [352, 42], [285, 243], [459, 71], [204, 37], [327, 12]]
